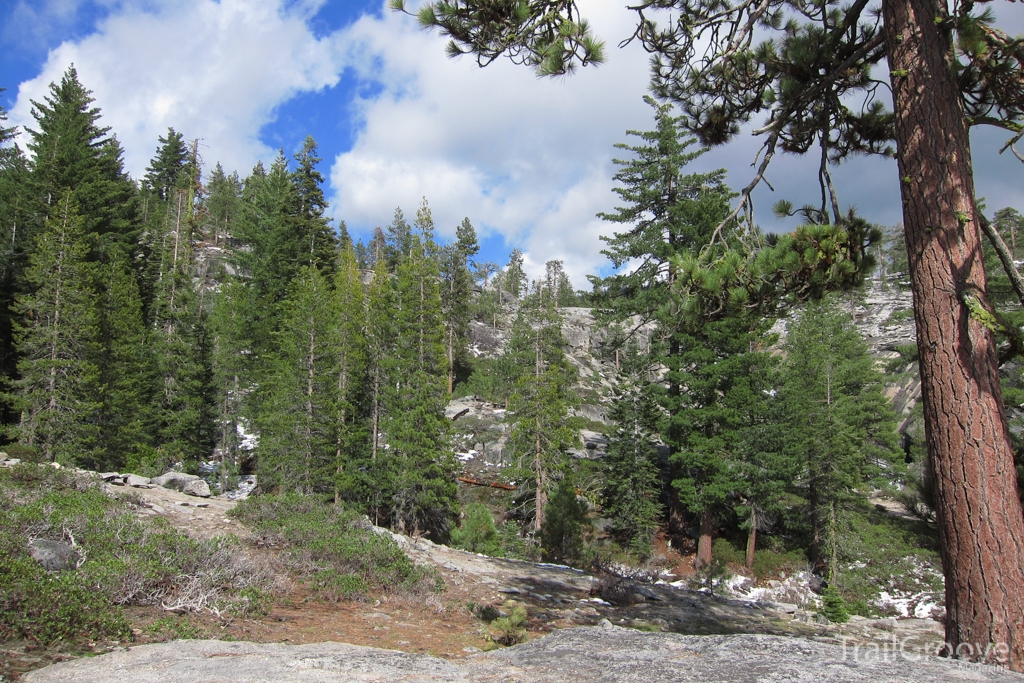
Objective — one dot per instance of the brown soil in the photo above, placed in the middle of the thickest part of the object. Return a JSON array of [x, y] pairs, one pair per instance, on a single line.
[[440, 624]]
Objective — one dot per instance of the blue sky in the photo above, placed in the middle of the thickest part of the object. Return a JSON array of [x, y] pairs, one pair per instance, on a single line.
[[528, 161]]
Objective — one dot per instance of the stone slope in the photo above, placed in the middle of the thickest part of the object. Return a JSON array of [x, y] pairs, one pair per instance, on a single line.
[[602, 655]]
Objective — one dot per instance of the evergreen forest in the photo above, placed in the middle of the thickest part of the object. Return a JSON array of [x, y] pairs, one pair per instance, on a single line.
[[225, 325]]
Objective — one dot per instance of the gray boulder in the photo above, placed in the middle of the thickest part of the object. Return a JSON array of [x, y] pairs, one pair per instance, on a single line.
[[137, 481], [606, 654], [197, 487], [173, 480], [55, 556]]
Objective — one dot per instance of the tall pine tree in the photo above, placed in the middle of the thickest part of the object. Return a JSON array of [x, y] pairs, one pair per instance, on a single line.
[[57, 390]]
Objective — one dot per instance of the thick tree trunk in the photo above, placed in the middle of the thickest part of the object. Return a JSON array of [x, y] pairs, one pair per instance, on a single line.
[[703, 558], [981, 525]]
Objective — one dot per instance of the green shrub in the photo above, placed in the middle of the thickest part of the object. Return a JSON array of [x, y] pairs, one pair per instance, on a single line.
[[514, 545], [477, 533], [126, 561], [727, 553], [335, 549], [509, 630], [22, 452], [565, 516], [770, 562], [833, 606], [884, 553]]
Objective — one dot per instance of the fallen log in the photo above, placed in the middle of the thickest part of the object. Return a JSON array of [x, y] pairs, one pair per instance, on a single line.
[[493, 484]]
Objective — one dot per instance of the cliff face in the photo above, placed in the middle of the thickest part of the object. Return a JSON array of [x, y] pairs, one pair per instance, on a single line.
[[882, 313]]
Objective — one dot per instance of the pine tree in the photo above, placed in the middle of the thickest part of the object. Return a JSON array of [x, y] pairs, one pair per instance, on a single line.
[[398, 241], [540, 400], [840, 426], [419, 457], [298, 410], [456, 297], [184, 409], [163, 175], [70, 151], [350, 365], [514, 279], [631, 478], [314, 238], [17, 235], [723, 393], [125, 371], [56, 392]]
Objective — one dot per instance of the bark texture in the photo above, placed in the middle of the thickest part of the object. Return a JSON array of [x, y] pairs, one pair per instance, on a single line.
[[981, 525]]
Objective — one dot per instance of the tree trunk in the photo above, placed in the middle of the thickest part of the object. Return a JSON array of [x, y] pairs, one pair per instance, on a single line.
[[542, 495], [752, 537], [978, 511], [703, 558]]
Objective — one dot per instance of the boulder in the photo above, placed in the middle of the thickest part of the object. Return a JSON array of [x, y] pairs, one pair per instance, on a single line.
[[55, 556], [137, 481], [173, 480], [197, 487]]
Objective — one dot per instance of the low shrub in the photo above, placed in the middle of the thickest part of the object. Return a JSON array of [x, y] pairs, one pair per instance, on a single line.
[[336, 550], [509, 630], [833, 607], [477, 534], [726, 552], [122, 561]]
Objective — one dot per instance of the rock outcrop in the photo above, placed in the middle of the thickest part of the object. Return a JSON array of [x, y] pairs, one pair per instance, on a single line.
[[603, 654]]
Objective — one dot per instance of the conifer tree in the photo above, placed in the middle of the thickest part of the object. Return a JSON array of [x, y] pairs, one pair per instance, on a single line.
[[70, 151], [381, 340], [631, 481], [840, 426], [515, 280], [349, 317], [724, 392], [230, 351], [398, 240], [17, 235], [125, 370], [298, 410], [163, 174], [180, 338], [314, 239], [456, 296], [56, 392], [419, 457], [540, 401]]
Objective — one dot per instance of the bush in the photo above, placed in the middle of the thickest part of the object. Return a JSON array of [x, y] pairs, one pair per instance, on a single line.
[[833, 607], [338, 551], [509, 630], [771, 563], [561, 536], [477, 533], [727, 553], [125, 561]]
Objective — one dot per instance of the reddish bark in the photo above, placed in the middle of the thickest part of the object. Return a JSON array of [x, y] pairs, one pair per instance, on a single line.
[[981, 525], [752, 537], [703, 558]]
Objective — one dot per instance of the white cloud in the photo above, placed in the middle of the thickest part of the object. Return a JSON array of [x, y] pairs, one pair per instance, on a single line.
[[212, 70], [527, 158]]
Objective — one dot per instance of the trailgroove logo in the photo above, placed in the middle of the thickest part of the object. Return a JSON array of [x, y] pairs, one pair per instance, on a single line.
[[908, 650]]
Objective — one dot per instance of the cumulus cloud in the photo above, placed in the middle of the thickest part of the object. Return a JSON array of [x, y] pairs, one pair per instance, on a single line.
[[524, 158], [212, 70], [527, 158]]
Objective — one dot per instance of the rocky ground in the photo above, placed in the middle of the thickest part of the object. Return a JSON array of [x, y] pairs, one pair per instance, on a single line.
[[556, 597]]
